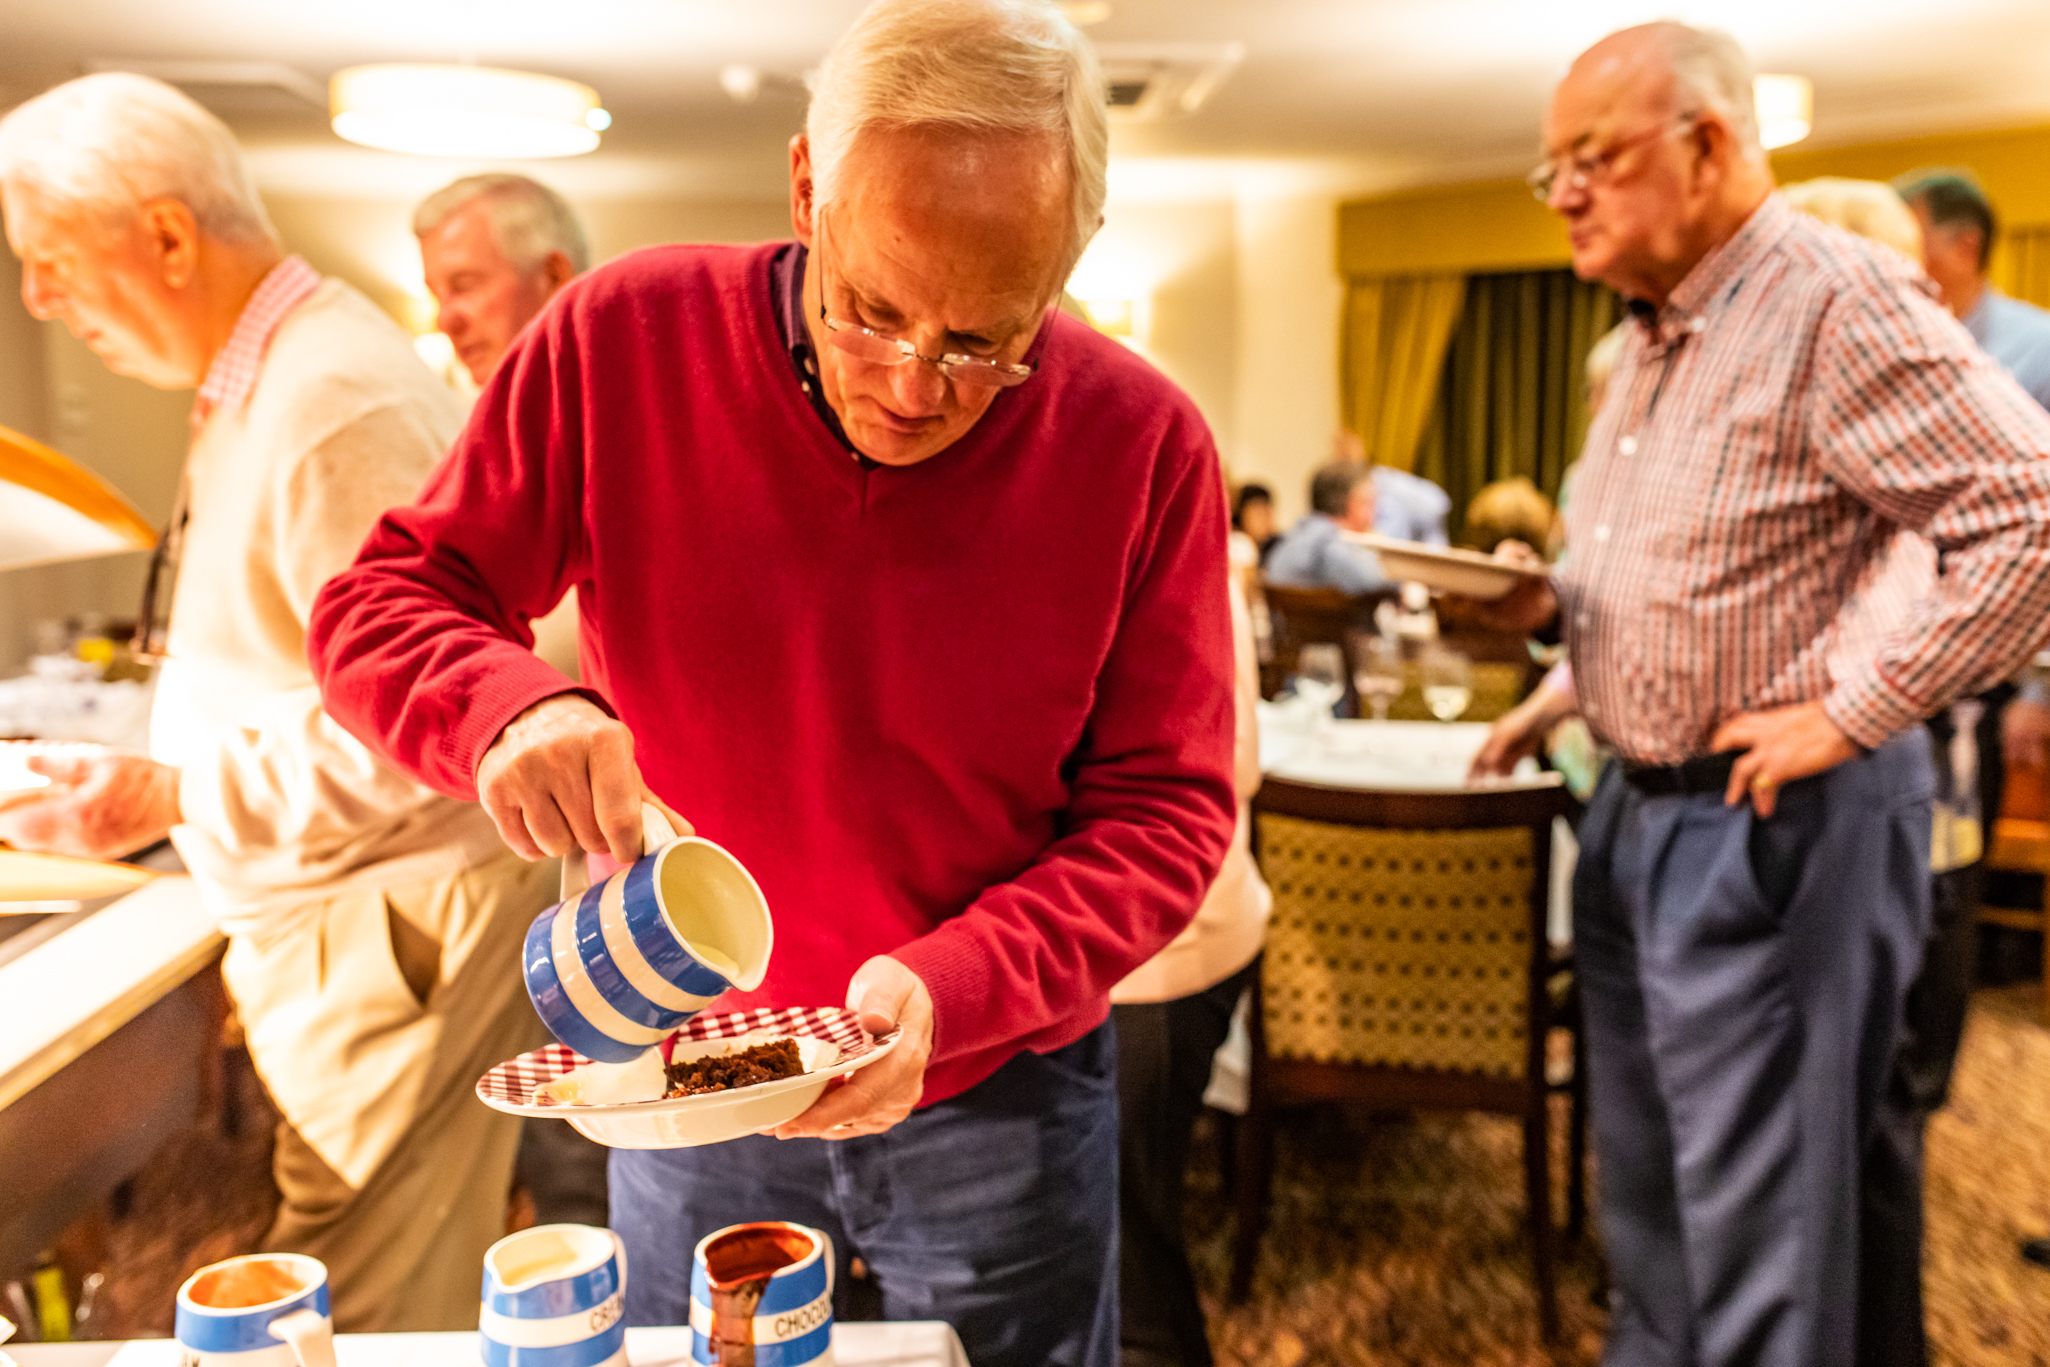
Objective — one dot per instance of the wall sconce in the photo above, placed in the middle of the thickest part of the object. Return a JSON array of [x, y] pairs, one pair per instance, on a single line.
[[1117, 318], [1785, 106]]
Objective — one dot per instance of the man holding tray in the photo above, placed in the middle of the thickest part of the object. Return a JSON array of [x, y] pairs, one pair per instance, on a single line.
[[908, 590]]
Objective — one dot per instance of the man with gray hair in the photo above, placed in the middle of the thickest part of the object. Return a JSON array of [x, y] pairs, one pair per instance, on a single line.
[[1752, 894], [911, 591], [494, 250], [1314, 554], [374, 926]]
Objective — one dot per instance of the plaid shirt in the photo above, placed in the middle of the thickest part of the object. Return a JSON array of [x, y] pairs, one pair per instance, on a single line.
[[1797, 401], [233, 372]]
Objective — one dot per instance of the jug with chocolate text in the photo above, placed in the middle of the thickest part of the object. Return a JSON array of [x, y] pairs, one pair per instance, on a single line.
[[761, 1295]]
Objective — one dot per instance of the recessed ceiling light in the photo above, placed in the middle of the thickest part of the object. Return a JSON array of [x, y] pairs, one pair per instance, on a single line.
[[473, 112], [1085, 12]]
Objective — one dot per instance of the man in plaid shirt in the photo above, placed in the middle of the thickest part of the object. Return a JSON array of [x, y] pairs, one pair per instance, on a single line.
[[1752, 894]]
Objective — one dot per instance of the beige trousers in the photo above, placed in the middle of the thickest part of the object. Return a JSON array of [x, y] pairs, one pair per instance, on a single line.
[[369, 1023]]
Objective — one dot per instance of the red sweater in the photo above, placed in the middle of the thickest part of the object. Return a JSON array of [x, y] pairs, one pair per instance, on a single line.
[[974, 713]]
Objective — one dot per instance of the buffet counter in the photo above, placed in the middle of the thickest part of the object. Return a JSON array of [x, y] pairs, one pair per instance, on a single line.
[[110, 1025], [72, 980]]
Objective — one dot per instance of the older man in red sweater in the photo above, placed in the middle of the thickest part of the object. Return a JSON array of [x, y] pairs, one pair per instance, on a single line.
[[910, 591]]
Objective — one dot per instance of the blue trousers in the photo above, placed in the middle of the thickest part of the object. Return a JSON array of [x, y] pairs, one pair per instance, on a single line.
[[995, 1211], [1743, 982]]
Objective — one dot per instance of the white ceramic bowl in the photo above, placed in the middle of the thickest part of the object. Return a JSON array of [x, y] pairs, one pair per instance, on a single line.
[[1447, 569]]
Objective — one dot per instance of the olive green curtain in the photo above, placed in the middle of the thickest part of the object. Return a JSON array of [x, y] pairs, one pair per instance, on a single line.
[[1511, 399], [1392, 350], [2028, 266]]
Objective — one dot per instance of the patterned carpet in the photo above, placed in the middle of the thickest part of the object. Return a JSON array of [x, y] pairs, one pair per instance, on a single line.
[[1394, 1240], [1399, 1240]]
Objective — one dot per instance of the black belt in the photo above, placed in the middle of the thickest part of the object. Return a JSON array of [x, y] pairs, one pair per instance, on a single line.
[[1702, 774]]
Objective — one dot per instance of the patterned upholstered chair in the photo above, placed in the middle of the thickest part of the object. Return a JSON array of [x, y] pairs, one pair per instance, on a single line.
[[1407, 965]]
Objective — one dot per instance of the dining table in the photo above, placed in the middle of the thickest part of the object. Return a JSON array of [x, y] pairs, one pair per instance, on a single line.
[[909, 1343], [1385, 756]]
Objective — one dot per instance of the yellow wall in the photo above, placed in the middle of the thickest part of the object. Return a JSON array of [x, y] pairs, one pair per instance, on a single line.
[[1497, 226]]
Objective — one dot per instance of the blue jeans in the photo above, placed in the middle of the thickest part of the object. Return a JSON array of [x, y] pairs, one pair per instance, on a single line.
[[995, 1211]]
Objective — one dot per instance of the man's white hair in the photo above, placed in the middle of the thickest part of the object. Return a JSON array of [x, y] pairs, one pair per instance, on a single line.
[[1013, 66], [1711, 71], [109, 143], [529, 221]]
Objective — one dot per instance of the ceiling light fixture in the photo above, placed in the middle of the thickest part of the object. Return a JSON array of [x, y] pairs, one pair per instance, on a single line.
[[1785, 106], [1082, 13], [474, 112], [745, 84]]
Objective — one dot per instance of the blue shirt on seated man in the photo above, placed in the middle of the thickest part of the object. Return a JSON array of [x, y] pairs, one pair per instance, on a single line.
[[1958, 229], [1410, 507], [1314, 553]]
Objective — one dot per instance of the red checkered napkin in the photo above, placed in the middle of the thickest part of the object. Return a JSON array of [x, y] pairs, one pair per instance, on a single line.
[[514, 1081]]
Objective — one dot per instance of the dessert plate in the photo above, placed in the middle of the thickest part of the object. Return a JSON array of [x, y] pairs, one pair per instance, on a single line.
[[619, 1105]]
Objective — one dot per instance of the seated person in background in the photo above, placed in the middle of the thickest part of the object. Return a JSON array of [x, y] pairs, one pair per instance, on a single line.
[[1410, 507], [1509, 510], [1958, 232], [1252, 522], [1407, 507], [1315, 553], [1252, 537]]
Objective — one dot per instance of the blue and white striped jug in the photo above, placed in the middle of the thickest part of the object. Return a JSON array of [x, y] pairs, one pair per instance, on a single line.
[[614, 968], [555, 1296]]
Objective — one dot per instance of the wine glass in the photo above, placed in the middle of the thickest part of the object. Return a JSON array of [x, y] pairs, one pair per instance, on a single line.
[[1377, 674], [1448, 682], [1320, 678]]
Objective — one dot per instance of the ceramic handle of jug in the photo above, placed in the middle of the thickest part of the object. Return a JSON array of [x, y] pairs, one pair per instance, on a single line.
[[576, 865], [311, 1335]]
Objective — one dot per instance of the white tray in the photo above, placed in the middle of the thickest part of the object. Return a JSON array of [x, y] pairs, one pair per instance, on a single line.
[[1448, 569]]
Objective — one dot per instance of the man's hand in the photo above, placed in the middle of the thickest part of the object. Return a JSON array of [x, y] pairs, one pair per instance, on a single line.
[[1518, 733], [1530, 606], [2025, 734], [561, 776], [884, 993], [101, 803], [1779, 746]]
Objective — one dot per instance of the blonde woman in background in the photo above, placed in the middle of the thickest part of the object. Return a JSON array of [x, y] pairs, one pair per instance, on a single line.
[[1512, 509]]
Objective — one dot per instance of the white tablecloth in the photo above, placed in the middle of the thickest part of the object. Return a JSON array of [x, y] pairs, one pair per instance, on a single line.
[[1395, 756], [854, 1345]]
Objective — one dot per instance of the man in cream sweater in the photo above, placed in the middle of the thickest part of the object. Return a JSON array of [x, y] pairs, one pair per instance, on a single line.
[[373, 925]]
